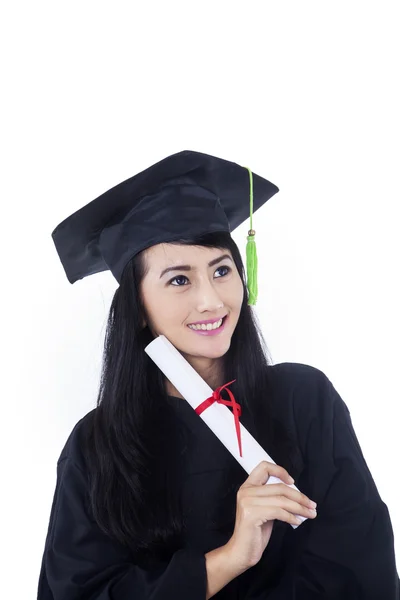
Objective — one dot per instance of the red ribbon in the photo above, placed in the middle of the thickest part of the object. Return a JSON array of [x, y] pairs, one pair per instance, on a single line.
[[237, 411]]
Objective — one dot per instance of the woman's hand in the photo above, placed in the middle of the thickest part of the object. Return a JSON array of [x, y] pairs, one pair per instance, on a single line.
[[257, 506]]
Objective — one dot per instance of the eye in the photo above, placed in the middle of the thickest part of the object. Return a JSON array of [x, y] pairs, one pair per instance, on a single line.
[[228, 269]]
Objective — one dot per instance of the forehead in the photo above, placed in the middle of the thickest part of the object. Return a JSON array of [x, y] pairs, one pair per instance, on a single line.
[[168, 254]]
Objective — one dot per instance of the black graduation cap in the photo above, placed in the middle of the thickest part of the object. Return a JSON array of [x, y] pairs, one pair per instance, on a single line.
[[188, 193]]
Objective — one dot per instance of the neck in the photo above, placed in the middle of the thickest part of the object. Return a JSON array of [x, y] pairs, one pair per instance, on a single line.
[[211, 372]]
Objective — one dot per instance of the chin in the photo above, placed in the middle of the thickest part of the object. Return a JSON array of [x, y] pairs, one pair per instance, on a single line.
[[213, 353]]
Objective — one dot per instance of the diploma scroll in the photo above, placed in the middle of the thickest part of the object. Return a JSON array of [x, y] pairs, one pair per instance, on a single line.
[[217, 416]]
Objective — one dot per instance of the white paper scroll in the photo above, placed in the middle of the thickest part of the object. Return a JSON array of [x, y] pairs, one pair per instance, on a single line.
[[217, 416]]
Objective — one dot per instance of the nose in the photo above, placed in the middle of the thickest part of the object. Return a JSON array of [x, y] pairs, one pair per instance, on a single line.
[[208, 298]]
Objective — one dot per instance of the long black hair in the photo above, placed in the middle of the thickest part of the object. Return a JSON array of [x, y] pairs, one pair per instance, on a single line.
[[132, 446]]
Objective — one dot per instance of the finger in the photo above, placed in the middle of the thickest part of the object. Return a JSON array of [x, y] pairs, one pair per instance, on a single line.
[[261, 473], [251, 503], [279, 489], [263, 514]]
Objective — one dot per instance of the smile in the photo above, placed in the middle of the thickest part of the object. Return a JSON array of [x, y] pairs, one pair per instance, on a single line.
[[210, 328]]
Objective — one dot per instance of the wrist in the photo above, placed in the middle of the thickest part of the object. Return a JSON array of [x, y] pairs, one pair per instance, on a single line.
[[231, 558], [220, 570]]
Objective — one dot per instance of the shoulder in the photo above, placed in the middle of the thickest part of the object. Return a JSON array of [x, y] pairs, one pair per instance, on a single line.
[[293, 374], [299, 381], [304, 392], [75, 443], [306, 399]]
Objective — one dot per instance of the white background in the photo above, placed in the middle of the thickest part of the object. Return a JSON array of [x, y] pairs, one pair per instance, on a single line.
[[304, 93]]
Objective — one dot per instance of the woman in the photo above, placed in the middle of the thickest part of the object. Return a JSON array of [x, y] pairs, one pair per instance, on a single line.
[[149, 504]]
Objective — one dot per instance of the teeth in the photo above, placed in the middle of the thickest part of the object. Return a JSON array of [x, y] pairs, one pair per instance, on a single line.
[[207, 327]]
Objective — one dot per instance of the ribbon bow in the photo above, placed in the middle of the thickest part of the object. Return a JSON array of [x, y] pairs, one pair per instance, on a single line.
[[237, 411]]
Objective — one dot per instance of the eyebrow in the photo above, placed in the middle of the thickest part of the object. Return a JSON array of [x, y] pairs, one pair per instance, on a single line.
[[189, 268]]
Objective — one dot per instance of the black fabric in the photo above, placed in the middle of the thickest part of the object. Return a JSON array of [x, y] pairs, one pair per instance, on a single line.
[[188, 193], [346, 553]]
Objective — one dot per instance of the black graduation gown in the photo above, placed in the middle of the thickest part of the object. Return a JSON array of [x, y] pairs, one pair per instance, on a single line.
[[347, 552]]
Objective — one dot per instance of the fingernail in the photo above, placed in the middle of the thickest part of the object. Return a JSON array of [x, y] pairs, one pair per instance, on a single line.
[[291, 480]]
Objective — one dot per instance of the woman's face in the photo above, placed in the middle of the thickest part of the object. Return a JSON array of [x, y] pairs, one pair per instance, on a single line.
[[192, 290]]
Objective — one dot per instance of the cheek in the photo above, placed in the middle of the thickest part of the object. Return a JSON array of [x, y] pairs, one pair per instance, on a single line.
[[167, 316], [238, 293]]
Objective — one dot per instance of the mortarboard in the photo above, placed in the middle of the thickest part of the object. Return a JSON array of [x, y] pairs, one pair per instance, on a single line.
[[188, 193]]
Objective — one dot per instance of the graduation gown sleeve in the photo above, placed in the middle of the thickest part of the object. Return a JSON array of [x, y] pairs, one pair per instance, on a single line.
[[81, 563], [347, 551]]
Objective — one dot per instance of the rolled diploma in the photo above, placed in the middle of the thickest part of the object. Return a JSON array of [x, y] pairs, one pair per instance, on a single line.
[[217, 416]]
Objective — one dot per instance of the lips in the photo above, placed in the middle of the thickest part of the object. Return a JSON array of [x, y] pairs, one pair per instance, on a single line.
[[211, 321], [211, 332]]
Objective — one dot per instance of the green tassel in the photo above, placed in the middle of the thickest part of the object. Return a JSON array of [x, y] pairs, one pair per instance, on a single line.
[[251, 253], [252, 266]]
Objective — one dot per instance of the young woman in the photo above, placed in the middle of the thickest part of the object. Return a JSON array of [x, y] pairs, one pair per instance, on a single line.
[[149, 504]]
